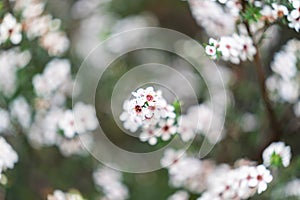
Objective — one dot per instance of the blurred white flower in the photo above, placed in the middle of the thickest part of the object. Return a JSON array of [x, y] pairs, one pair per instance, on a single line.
[[186, 127], [10, 29], [8, 156], [179, 195], [291, 189], [171, 157], [67, 124], [56, 73], [55, 42], [21, 111], [249, 122], [110, 181], [212, 17], [85, 117], [60, 195], [148, 135]]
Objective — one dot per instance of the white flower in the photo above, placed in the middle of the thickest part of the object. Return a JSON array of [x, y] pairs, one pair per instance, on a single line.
[[85, 117], [149, 110], [67, 124], [279, 11], [109, 181], [233, 48], [276, 154], [179, 195], [260, 177], [248, 50], [166, 129], [148, 134], [59, 195], [55, 42], [186, 128], [211, 51], [171, 157], [21, 111], [74, 146], [57, 72], [8, 156], [10, 29], [183, 170], [4, 120], [212, 17]]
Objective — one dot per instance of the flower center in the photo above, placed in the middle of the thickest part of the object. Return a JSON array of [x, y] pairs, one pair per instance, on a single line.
[[138, 109], [149, 97], [259, 177]]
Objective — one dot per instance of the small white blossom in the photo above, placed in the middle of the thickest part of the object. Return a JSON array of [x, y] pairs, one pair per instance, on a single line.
[[179, 195], [109, 181], [260, 177], [85, 118], [277, 153], [10, 29], [21, 111], [8, 156], [60, 195]]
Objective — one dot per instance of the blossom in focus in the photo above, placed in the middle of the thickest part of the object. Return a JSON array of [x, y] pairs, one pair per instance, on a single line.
[[149, 111], [277, 154]]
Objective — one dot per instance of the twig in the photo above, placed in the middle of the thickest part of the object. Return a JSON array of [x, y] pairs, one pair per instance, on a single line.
[[274, 124]]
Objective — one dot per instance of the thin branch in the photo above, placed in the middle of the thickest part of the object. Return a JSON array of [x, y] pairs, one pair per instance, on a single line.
[[274, 124]]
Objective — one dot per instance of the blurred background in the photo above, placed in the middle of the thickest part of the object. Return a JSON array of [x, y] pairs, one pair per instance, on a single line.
[[89, 22]]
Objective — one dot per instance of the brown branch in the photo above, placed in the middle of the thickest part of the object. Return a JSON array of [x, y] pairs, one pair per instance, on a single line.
[[273, 122]]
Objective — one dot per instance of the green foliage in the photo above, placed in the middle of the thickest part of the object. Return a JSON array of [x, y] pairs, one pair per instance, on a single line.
[[251, 14], [276, 160]]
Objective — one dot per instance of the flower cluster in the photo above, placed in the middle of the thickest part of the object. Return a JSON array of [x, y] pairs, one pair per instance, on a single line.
[[294, 16], [48, 124], [235, 48], [110, 182], [239, 183], [39, 25], [11, 61], [212, 17], [277, 154], [284, 84], [60, 195], [217, 181], [276, 11], [8, 156], [151, 112], [157, 119]]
